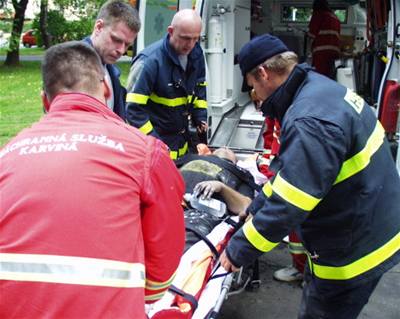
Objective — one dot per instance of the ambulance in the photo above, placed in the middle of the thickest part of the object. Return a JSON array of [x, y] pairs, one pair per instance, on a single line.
[[369, 62]]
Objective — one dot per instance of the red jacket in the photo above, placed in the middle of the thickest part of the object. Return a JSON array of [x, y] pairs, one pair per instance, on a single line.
[[271, 146], [324, 28], [90, 216]]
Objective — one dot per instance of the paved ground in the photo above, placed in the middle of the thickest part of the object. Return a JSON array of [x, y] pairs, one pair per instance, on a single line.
[[276, 300]]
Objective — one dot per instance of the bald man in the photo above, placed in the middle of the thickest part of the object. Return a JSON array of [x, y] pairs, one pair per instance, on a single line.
[[167, 85]]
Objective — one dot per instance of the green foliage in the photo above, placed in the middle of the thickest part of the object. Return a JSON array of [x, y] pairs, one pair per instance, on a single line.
[[27, 25], [56, 27], [81, 8], [61, 30], [5, 25], [77, 30]]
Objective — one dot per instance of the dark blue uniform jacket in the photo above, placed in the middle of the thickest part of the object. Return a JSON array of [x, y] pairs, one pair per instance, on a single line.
[[335, 180]]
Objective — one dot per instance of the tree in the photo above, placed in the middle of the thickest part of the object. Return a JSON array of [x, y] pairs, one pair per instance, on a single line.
[[12, 58], [60, 30], [44, 5]]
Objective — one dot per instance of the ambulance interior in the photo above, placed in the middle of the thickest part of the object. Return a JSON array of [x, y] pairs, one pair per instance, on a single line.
[[233, 119]]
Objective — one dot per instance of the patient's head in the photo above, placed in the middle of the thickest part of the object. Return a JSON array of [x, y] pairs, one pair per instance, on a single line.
[[225, 153]]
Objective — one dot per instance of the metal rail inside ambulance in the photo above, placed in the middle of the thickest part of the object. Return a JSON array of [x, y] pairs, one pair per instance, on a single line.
[[369, 62]]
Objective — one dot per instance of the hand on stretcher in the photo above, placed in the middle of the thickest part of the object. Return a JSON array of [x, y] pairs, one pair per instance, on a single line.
[[226, 263]]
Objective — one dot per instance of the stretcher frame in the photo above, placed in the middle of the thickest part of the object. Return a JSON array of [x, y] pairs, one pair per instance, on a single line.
[[227, 283]]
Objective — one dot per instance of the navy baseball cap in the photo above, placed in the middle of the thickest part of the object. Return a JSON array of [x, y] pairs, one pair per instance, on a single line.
[[256, 51]]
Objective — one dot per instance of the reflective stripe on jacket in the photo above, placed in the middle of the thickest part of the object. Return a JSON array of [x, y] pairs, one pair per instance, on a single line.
[[335, 177], [71, 270], [164, 94]]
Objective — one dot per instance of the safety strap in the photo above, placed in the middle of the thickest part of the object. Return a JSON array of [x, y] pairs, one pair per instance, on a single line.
[[235, 225], [205, 239], [192, 300]]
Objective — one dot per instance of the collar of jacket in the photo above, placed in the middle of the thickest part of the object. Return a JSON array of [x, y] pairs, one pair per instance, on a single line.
[[80, 102], [278, 103], [193, 55]]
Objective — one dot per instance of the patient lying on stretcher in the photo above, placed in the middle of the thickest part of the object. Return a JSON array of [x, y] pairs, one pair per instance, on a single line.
[[214, 176]]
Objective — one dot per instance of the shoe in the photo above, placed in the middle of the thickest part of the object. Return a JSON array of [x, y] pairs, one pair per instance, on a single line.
[[288, 274]]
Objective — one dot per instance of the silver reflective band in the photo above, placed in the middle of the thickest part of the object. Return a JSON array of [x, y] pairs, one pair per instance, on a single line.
[[71, 270]]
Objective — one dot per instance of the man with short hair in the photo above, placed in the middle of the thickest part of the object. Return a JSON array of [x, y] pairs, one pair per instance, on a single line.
[[167, 85], [115, 29], [91, 219], [334, 178]]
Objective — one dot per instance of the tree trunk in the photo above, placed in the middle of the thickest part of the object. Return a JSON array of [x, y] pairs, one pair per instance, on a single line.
[[12, 58], [43, 23]]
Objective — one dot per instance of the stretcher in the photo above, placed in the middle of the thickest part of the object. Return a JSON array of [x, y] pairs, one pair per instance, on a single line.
[[201, 285]]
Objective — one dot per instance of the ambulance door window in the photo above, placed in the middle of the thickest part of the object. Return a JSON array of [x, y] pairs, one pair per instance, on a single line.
[[158, 16], [302, 13]]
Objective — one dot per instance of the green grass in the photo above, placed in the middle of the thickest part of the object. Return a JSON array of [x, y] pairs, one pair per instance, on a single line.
[[20, 103], [24, 51]]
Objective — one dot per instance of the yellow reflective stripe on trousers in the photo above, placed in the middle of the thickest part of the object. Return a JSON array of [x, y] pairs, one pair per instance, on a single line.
[[256, 239], [157, 285], [71, 270], [182, 151], [361, 265], [200, 104], [146, 128], [168, 102], [294, 195], [361, 160], [137, 98], [296, 248]]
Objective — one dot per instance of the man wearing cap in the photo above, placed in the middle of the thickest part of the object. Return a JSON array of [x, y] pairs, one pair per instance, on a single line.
[[335, 180]]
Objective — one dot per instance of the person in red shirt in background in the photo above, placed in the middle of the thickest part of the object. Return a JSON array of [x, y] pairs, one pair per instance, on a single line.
[[90, 217], [324, 30], [271, 135]]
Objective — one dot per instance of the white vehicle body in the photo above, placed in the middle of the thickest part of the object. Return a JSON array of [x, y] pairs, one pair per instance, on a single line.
[[370, 63]]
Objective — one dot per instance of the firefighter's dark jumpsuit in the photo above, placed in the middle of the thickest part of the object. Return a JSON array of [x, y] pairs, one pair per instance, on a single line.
[[164, 95]]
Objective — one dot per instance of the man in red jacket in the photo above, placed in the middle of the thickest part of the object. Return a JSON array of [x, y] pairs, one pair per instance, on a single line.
[[324, 30], [91, 219]]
